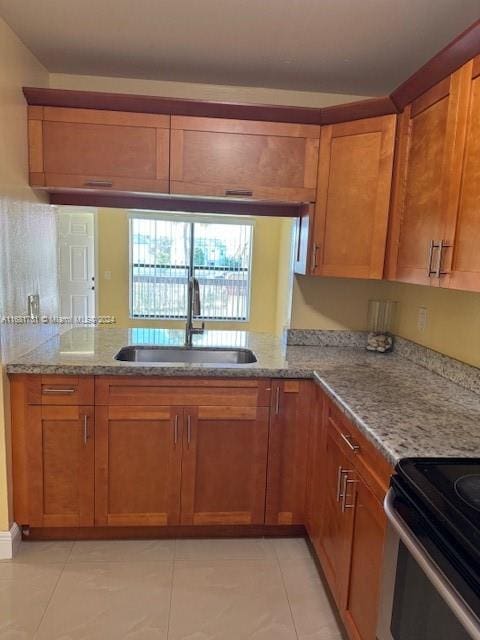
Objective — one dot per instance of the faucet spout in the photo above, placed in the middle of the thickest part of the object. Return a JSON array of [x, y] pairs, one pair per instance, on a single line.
[[193, 310]]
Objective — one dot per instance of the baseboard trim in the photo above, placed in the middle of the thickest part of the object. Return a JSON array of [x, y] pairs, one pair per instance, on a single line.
[[9, 542]]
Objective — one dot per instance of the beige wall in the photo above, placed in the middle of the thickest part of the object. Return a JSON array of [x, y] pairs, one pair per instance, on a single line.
[[332, 303], [269, 301], [453, 317], [27, 239], [194, 91]]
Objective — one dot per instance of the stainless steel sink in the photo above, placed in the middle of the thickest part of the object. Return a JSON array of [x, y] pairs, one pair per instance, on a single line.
[[190, 355]]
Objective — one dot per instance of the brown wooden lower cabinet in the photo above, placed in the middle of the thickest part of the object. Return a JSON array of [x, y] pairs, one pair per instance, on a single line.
[[60, 450], [290, 414], [345, 518], [366, 554], [284, 454], [138, 455], [224, 465]]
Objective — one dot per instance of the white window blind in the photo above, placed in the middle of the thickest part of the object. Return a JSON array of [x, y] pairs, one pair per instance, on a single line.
[[162, 259]]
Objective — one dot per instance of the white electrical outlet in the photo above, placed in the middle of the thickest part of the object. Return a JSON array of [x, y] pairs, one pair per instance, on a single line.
[[422, 319]]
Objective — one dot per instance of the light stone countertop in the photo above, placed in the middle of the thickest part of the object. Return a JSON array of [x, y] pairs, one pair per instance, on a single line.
[[403, 408]]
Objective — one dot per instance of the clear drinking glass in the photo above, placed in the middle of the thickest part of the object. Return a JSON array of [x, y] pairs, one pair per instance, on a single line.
[[380, 319]]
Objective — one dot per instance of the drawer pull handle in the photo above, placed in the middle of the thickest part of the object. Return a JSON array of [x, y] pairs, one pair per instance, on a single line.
[[277, 400], [85, 429], [314, 257], [339, 483], [175, 430], [347, 482], [245, 193], [98, 183], [60, 391], [351, 445]]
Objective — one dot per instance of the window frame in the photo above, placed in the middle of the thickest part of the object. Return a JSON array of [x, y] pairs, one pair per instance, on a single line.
[[194, 218]]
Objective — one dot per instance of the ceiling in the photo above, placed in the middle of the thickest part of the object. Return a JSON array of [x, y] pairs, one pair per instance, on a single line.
[[364, 47]]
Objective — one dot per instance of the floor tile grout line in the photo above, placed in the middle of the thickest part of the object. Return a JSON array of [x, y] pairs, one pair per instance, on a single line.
[[172, 578], [282, 577], [64, 564]]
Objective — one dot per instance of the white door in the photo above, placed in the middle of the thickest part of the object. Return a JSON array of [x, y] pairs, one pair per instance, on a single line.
[[76, 262]]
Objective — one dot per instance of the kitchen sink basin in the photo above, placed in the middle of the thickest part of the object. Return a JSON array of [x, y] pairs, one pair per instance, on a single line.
[[190, 355]]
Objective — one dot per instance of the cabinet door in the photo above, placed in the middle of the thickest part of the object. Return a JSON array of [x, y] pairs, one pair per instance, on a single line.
[[354, 180], [224, 465], [138, 465], [60, 450], [427, 179], [461, 263], [290, 415], [101, 150], [315, 466], [240, 158], [362, 596], [336, 527]]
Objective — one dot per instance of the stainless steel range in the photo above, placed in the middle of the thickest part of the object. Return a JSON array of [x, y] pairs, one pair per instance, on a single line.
[[431, 576]]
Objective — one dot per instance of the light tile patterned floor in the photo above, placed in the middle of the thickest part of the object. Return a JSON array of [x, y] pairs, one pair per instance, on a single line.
[[245, 589]]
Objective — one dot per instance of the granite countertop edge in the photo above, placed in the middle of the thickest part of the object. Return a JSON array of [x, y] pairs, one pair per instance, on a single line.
[[403, 409]]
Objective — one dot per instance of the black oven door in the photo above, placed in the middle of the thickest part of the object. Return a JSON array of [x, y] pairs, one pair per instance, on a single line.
[[419, 601]]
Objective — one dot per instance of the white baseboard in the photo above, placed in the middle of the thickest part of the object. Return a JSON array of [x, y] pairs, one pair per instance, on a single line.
[[9, 542]]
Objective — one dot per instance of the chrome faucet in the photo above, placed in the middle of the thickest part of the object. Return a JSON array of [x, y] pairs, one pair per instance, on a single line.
[[193, 310]]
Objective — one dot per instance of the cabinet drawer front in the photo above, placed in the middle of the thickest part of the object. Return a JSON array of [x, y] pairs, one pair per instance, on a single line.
[[369, 462], [60, 390], [212, 393]]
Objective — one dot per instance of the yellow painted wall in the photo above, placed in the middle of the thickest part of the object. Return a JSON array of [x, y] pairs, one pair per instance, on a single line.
[[266, 304], [18, 67], [332, 303], [453, 319]]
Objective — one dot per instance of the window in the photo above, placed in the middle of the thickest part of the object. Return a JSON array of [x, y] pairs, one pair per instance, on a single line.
[[165, 249]]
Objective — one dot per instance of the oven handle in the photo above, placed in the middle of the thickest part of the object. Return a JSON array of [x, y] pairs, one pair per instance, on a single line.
[[433, 572]]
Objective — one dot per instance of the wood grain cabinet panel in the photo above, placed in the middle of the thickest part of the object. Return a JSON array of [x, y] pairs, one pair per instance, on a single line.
[[345, 519], [224, 465], [353, 194], [315, 493], [262, 160], [290, 415], [59, 390], [461, 256], [60, 461], [368, 535], [99, 150], [138, 465], [336, 528], [428, 167]]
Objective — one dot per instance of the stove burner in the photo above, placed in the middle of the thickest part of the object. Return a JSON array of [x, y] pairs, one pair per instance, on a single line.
[[468, 488]]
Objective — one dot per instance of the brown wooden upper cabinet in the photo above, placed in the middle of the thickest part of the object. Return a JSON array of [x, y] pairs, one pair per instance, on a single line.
[[461, 258], [436, 197], [353, 193], [101, 150], [241, 158]]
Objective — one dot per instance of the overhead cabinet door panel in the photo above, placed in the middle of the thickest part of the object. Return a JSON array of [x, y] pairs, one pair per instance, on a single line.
[[461, 263], [262, 160], [427, 180], [351, 216], [102, 150]]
